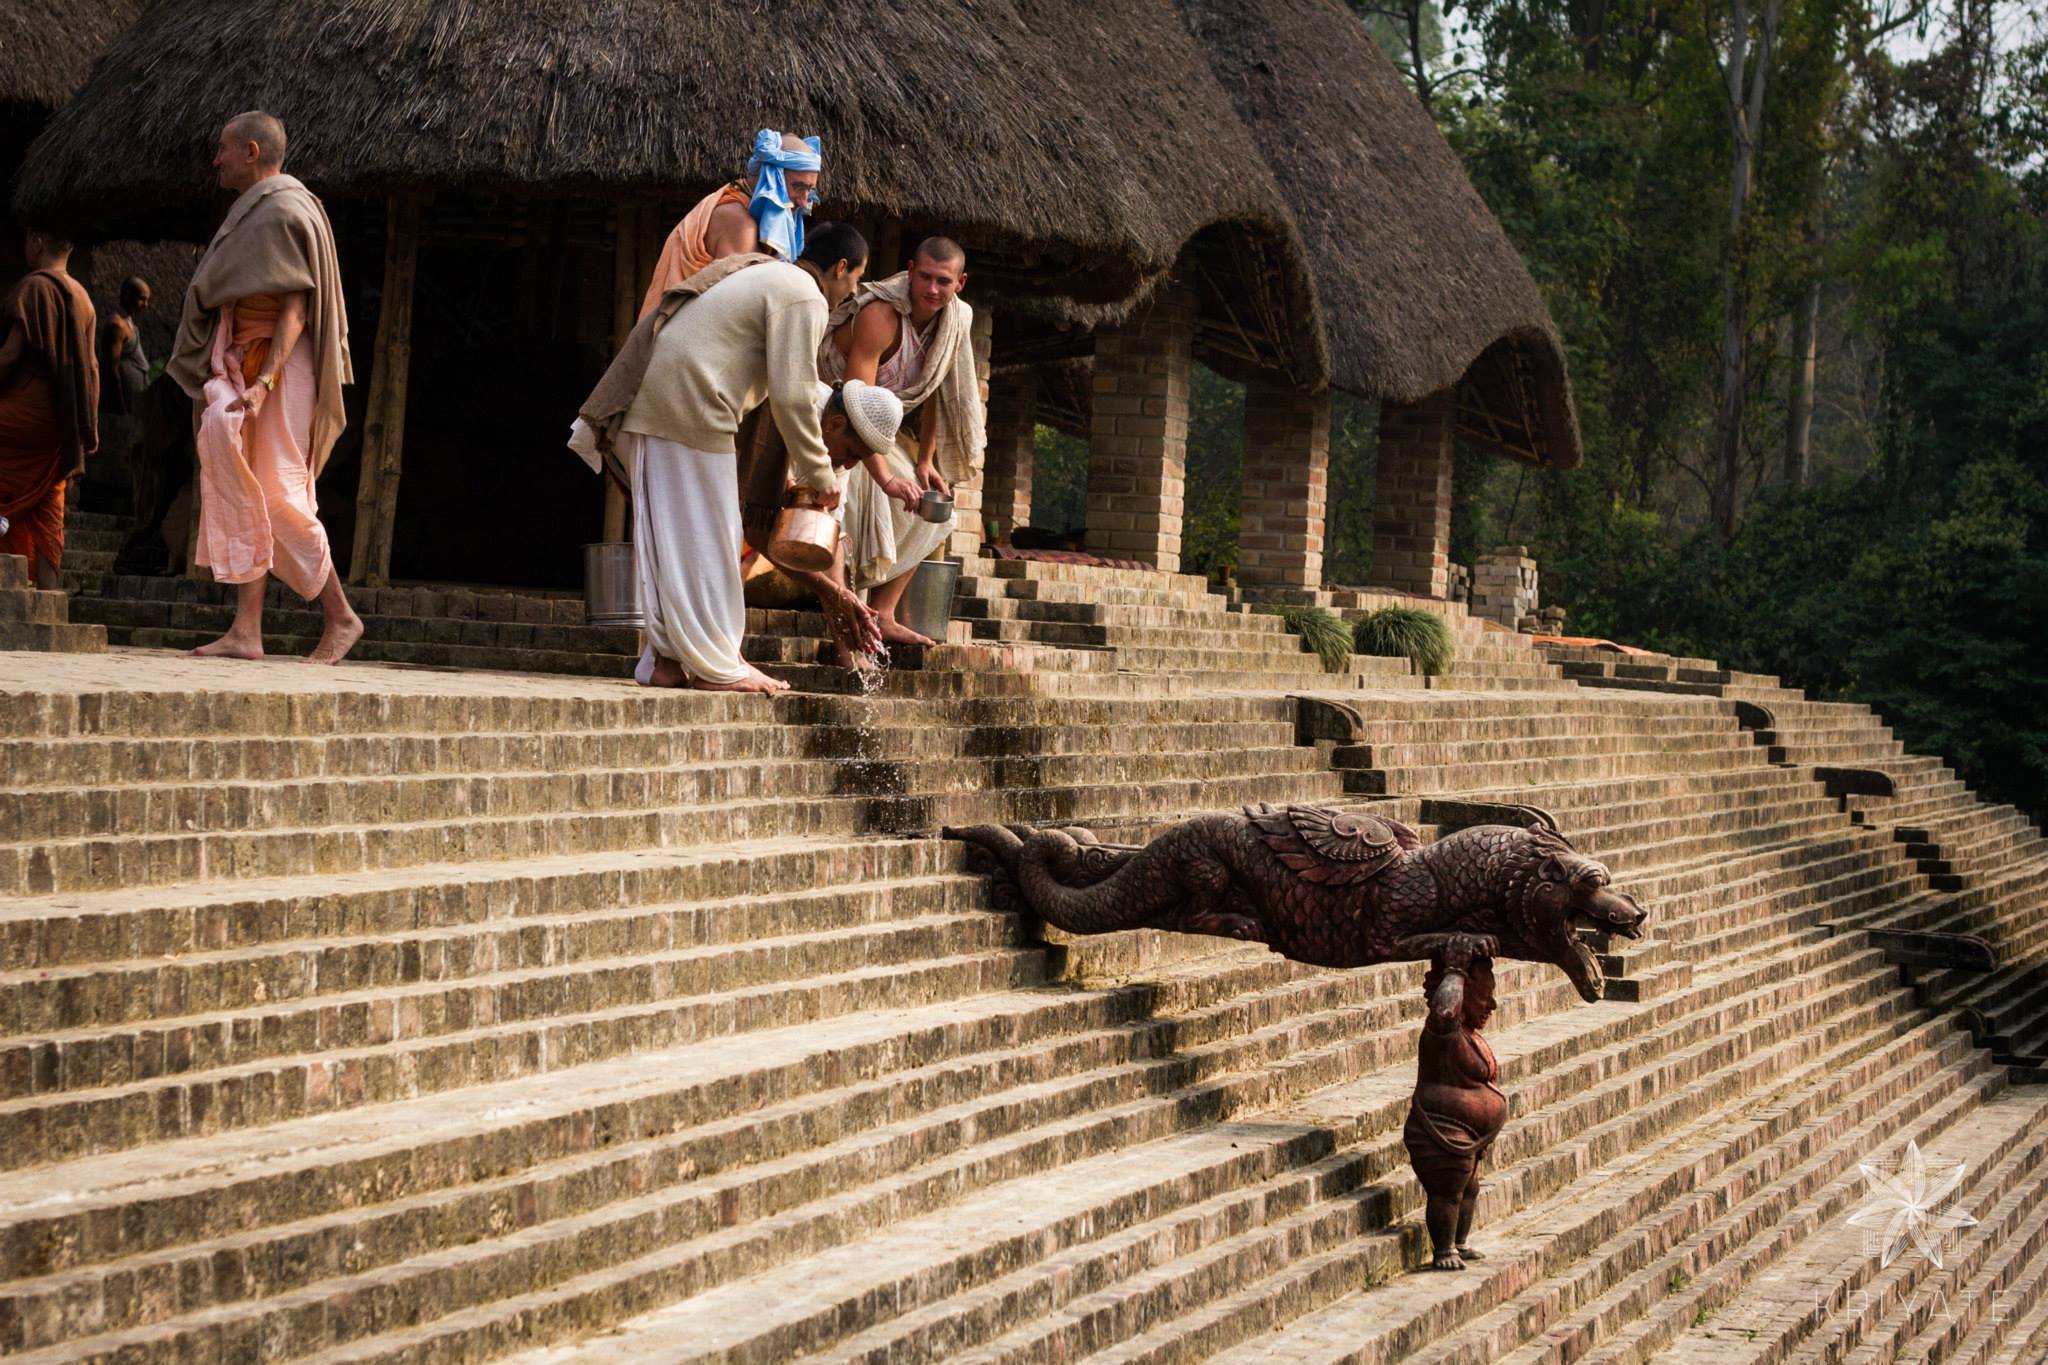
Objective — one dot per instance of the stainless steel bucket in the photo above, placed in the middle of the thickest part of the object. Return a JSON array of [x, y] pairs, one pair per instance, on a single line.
[[927, 603], [611, 589]]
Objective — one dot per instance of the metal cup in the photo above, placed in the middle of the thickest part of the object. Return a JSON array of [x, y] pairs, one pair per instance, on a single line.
[[936, 506]]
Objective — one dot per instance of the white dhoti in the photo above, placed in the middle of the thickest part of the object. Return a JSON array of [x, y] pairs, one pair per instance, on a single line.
[[883, 541], [686, 547]]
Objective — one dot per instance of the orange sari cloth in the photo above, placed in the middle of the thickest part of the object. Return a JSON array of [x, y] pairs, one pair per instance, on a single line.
[[685, 253]]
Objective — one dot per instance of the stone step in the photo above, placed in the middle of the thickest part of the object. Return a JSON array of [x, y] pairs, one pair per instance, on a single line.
[[101, 763], [1747, 1171], [75, 864], [1995, 1155], [908, 1268], [1704, 1281], [52, 638]]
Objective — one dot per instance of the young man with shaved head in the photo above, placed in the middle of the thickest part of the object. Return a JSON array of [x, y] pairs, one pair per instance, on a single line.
[[910, 334], [763, 210], [262, 350]]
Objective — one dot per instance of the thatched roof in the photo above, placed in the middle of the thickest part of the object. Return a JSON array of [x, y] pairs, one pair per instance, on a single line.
[[1416, 278], [1021, 123], [47, 47], [1081, 150]]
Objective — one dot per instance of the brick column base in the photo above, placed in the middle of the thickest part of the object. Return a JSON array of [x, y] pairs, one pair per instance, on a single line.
[[1012, 442], [1138, 444], [1286, 480], [1411, 518]]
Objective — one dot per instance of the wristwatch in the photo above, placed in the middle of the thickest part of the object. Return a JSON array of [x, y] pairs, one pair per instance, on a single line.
[[268, 381]]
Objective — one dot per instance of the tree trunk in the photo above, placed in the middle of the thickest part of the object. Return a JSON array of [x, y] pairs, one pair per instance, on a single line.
[[1734, 359], [1799, 420]]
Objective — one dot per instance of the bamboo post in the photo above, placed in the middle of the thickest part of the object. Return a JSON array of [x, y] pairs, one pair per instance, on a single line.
[[384, 422]]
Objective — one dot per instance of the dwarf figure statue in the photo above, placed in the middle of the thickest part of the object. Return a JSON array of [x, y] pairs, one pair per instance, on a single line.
[[1458, 1107]]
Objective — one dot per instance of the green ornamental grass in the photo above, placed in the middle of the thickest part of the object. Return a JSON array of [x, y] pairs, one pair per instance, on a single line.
[[1323, 632], [1406, 632]]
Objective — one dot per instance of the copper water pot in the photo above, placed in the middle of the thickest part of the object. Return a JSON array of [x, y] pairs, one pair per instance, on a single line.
[[803, 540]]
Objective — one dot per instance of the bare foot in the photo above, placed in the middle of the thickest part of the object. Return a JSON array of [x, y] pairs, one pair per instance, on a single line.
[[755, 681], [896, 633], [1448, 1261], [337, 640], [1466, 1253], [232, 646]]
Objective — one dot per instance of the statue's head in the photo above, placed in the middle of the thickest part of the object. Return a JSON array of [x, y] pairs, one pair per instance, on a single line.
[[1560, 891], [1478, 1003]]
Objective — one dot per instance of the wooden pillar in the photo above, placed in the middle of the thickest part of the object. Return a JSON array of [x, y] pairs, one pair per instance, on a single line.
[[384, 420], [628, 286]]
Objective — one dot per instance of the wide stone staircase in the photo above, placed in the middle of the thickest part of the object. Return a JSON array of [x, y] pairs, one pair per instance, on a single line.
[[398, 1014]]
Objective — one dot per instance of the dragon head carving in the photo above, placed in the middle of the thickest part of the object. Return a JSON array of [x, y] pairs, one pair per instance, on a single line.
[[1558, 891]]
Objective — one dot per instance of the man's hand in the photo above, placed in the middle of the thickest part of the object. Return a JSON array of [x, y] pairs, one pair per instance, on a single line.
[[928, 477], [251, 401], [806, 496], [904, 491]]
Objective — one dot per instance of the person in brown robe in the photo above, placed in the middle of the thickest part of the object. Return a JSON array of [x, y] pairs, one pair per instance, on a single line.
[[1458, 1107], [49, 403]]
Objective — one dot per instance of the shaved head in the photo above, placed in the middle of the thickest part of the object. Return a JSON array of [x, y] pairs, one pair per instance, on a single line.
[[792, 143], [941, 251], [262, 129]]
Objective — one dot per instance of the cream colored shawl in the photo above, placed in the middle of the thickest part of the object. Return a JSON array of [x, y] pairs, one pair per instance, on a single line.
[[948, 377], [275, 240]]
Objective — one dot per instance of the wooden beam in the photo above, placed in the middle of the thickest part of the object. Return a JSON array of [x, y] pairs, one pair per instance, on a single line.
[[628, 284], [384, 422]]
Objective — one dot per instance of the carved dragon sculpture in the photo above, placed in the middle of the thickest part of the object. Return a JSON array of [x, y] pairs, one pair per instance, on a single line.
[[1330, 888]]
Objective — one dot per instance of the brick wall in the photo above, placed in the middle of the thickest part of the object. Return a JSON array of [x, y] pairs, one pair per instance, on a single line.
[[1286, 481], [1411, 520], [1137, 448], [1012, 431]]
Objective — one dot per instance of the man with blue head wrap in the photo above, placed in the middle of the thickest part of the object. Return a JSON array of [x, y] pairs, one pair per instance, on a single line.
[[762, 211]]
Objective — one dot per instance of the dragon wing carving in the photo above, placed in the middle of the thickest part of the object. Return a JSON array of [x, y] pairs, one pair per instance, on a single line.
[[1328, 847]]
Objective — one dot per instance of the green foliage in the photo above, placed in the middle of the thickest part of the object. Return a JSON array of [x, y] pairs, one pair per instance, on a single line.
[[1059, 481], [1406, 633], [1324, 632]]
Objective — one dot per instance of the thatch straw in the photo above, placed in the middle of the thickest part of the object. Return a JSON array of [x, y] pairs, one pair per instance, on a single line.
[[47, 47], [1087, 139], [1415, 276]]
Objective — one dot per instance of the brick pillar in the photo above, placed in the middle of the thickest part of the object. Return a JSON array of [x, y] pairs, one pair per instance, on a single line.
[[965, 541], [1286, 479], [1138, 444], [1012, 440], [1411, 517]]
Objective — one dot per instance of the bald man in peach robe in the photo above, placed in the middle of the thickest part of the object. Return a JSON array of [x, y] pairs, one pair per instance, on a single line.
[[263, 351]]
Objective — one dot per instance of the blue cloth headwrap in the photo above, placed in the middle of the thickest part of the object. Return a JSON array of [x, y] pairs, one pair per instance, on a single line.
[[781, 226]]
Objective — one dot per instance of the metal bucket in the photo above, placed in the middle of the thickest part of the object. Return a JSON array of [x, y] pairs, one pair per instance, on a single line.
[[611, 587], [927, 603]]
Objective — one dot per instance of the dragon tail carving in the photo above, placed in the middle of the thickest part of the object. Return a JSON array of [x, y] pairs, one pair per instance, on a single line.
[[1068, 879]]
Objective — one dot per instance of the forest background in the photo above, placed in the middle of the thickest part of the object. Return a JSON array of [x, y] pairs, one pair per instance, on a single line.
[[1798, 251]]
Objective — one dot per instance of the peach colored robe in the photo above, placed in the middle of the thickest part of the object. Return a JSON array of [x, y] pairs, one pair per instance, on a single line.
[[684, 253], [257, 512]]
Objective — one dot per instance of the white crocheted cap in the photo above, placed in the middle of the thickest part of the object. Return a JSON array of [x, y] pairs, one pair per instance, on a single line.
[[874, 413]]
